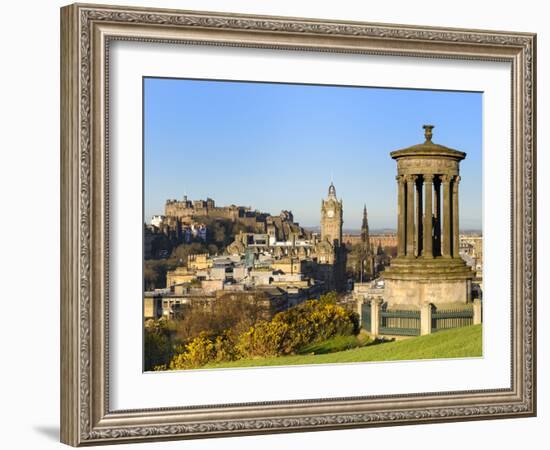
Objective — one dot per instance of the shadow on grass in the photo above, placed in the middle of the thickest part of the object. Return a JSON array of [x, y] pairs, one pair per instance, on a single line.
[[340, 343]]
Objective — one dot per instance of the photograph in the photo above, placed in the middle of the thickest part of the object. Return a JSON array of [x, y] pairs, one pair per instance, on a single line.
[[296, 224]]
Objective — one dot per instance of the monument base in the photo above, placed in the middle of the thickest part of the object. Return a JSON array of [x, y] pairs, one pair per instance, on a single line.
[[411, 282]]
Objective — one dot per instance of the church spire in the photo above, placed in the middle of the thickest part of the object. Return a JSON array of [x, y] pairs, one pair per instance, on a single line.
[[365, 223], [365, 238]]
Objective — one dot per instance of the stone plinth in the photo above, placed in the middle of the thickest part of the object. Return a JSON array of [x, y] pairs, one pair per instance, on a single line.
[[418, 281]]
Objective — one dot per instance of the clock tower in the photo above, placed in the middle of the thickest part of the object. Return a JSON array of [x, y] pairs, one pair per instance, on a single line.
[[332, 218]]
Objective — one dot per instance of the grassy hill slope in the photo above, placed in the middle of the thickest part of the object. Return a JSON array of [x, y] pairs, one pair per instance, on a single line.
[[455, 343]]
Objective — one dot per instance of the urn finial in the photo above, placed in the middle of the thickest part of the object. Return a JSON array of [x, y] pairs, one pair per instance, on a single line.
[[428, 132]]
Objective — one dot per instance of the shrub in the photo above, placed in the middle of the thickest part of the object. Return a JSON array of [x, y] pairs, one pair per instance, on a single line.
[[285, 334], [205, 349], [225, 347], [198, 352], [265, 339], [329, 297], [314, 321], [291, 330]]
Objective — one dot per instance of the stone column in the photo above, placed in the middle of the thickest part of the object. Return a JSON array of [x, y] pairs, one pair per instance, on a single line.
[[427, 251], [411, 181], [446, 235], [375, 306], [456, 243], [437, 217], [360, 300], [477, 311], [425, 319], [419, 227], [400, 216]]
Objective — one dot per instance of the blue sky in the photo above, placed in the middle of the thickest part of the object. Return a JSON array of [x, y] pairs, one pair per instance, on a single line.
[[277, 146]]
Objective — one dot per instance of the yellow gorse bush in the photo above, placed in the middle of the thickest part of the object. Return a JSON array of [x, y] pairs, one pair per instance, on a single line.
[[310, 322], [198, 352]]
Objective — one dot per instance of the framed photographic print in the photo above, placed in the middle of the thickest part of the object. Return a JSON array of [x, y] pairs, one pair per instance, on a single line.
[[276, 224]]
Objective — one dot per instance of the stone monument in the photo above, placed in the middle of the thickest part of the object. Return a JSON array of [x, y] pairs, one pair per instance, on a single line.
[[428, 267]]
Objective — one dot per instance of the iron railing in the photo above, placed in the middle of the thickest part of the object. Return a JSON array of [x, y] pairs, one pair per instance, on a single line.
[[366, 316], [452, 318], [407, 322], [400, 322]]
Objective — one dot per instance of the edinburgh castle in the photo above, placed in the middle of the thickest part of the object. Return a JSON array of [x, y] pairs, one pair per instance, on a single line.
[[179, 213]]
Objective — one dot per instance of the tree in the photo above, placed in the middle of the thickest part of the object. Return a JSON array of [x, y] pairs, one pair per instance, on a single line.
[[157, 345], [154, 272], [235, 311], [182, 251]]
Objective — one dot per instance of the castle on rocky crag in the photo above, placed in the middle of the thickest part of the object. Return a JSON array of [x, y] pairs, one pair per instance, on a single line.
[[181, 213]]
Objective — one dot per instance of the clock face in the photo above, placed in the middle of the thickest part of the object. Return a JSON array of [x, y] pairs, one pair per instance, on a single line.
[[330, 213]]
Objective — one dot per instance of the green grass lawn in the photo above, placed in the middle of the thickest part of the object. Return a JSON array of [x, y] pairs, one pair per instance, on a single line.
[[335, 344], [455, 343]]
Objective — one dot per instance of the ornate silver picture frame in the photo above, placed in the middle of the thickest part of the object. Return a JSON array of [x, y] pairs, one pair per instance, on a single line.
[[87, 32]]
